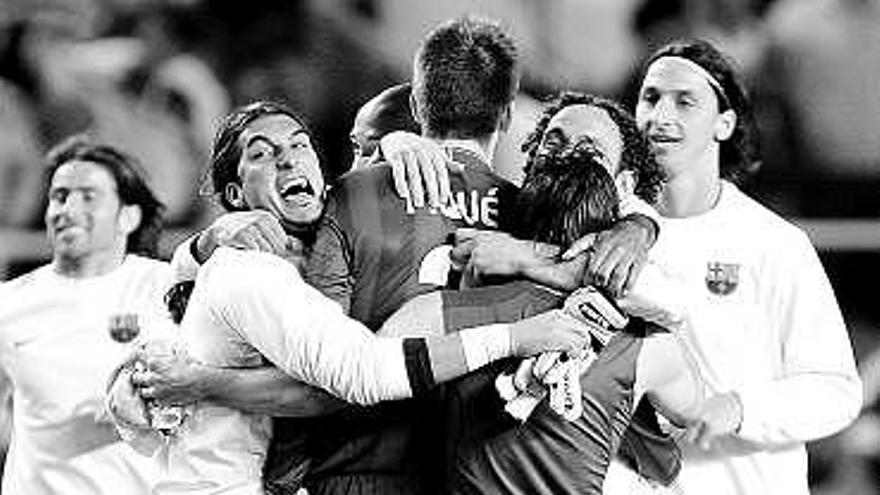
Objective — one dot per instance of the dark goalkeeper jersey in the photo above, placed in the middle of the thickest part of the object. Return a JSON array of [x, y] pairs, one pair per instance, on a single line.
[[368, 255], [490, 452], [370, 249]]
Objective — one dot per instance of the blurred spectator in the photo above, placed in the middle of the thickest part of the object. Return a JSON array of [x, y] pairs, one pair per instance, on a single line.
[[20, 154], [289, 51], [138, 90], [20, 163], [822, 68]]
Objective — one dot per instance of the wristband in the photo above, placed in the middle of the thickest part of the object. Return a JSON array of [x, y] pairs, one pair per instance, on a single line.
[[505, 387], [418, 366], [482, 345], [194, 248]]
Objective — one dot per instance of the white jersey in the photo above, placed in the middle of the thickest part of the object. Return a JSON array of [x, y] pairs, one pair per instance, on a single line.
[[762, 320], [249, 306], [60, 339]]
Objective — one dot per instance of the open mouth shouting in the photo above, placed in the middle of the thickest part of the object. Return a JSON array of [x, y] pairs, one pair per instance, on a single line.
[[297, 190]]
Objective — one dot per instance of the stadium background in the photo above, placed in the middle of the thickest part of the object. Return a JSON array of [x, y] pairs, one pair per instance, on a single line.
[[155, 75]]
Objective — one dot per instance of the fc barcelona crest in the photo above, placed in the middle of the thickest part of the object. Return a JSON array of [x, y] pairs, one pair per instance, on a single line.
[[722, 278], [124, 327]]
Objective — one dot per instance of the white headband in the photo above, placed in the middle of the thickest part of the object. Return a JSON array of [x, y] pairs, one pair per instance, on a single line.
[[706, 75]]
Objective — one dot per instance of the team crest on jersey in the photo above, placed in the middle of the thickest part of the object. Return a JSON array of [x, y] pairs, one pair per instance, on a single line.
[[124, 327], [722, 278]]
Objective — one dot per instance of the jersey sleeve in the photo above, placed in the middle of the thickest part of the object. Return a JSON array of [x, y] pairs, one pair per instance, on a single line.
[[302, 332], [504, 303], [818, 391], [183, 264], [631, 204]]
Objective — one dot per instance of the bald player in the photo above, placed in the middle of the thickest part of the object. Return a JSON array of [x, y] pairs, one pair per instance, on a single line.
[[386, 112]]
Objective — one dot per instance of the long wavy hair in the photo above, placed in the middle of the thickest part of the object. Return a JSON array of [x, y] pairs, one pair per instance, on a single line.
[[636, 156], [566, 195]]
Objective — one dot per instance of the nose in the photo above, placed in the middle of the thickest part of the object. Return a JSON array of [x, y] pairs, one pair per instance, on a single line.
[[285, 160], [663, 112]]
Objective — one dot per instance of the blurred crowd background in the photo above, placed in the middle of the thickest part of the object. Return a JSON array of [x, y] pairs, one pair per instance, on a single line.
[[154, 77]]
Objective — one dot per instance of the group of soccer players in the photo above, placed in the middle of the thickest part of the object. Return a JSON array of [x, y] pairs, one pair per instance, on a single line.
[[501, 338]]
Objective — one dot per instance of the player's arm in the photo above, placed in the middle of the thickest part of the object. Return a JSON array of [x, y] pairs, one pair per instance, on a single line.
[[257, 230], [419, 167], [309, 337], [816, 358], [614, 257], [669, 378], [180, 380], [485, 253]]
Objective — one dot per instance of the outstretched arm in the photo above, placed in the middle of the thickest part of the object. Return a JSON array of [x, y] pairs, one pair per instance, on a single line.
[[180, 380], [612, 259], [258, 294]]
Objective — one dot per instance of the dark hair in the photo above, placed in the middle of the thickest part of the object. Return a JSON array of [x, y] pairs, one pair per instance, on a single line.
[[131, 186], [636, 155], [226, 153], [566, 196], [467, 74], [740, 154]]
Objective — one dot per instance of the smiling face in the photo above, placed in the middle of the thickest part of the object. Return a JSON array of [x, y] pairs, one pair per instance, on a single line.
[[679, 112], [585, 124], [84, 216], [279, 170]]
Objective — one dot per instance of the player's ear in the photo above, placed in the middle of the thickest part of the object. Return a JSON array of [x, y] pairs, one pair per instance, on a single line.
[[415, 109], [625, 180], [234, 195], [725, 125], [129, 218]]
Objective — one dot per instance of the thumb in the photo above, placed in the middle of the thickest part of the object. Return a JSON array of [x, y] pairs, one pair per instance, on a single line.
[[581, 245]]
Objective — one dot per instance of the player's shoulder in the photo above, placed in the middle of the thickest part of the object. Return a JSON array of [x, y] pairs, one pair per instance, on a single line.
[[30, 279], [484, 175], [770, 226], [145, 264], [375, 176], [231, 267], [142, 267]]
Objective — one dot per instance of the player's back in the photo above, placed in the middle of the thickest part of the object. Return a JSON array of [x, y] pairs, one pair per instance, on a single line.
[[388, 244], [369, 254]]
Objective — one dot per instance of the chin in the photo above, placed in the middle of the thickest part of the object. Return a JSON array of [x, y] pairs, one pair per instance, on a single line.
[[303, 218]]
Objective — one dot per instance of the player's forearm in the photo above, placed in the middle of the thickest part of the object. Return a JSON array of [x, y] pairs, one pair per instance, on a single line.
[[800, 408], [542, 265], [267, 390], [433, 360], [817, 390]]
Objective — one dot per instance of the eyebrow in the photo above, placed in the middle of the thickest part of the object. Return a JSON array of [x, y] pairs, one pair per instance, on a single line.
[[73, 188], [262, 137]]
